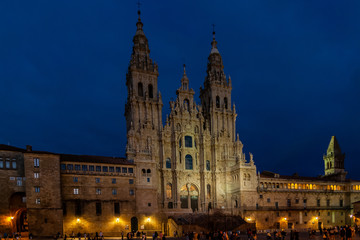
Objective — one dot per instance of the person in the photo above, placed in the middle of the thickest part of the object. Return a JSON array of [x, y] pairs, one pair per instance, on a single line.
[[101, 235], [122, 235], [30, 236], [283, 234]]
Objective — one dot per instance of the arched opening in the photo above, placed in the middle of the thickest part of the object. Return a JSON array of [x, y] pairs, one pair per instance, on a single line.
[[207, 165], [186, 104], [168, 163], [226, 103], [134, 224], [150, 90], [189, 196], [217, 101], [188, 162], [208, 189], [18, 211], [140, 89]]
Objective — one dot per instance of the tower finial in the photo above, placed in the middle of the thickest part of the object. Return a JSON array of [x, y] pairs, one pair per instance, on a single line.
[[139, 4], [184, 69], [213, 25]]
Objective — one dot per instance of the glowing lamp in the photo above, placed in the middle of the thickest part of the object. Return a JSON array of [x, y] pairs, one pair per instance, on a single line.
[[351, 216], [316, 218], [12, 218], [117, 220], [78, 220], [285, 219], [148, 219]]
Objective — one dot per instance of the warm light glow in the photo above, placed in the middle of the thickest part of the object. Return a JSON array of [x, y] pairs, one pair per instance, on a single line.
[[117, 220], [148, 219], [351, 216], [11, 218], [285, 219], [248, 219], [316, 218], [78, 220]]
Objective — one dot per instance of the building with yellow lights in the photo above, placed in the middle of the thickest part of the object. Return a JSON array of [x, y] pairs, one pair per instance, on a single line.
[[193, 164]]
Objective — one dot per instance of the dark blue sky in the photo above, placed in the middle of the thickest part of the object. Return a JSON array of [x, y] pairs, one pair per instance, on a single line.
[[295, 69]]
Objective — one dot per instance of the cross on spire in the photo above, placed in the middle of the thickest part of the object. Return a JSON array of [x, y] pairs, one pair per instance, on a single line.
[[138, 4], [213, 25]]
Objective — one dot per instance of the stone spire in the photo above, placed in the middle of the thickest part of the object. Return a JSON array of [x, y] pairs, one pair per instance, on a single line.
[[334, 159], [140, 57], [184, 81], [215, 67]]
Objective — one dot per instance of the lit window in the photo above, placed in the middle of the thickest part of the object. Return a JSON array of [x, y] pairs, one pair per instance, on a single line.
[[131, 192], [75, 179], [188, 141], [13, 165], [1, 164], [37, 201], [98, 191], [148, 179], [7, 163], [37, 189], [19, 182], [114, 191], [131, 181], [188, 162], [24, 199], [76, 191], [168, 163], [36, 175], [97, 180], [36, 162], [113, 180], [124, 170]]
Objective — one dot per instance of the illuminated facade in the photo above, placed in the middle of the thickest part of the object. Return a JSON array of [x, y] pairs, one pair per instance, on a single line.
[[192, 164]]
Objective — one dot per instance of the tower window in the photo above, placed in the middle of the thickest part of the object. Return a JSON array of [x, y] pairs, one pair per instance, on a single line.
[[208, 165], [186, 104], [140, 90], [168, 163], [226, 103], [188, 141], [150, 89], [217, 101], [188, 162]]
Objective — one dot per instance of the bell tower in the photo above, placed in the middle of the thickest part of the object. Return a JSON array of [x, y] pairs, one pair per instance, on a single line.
[[143, 120], [216, 96], [334, 159]]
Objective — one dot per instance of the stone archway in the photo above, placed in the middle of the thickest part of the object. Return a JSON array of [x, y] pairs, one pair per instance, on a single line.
[[18, 212], [189, 197]]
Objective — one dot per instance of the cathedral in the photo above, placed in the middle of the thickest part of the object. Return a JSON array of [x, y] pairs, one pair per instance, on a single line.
[[191, 165]]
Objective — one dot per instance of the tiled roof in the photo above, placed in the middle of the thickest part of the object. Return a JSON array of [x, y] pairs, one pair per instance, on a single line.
[[11, 148]]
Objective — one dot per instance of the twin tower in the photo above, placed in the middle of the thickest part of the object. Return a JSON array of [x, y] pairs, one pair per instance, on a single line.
[[183, 165]]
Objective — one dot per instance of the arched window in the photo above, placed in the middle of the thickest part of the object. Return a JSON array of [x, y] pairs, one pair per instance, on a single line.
[[168, 163], [208, 190], [188, 141], [150, 90], [168, 191], [225, 103], [143, 171], [208, 165], [186, 104], [188, 162], [140, 89], [217, 101], [148, 171]]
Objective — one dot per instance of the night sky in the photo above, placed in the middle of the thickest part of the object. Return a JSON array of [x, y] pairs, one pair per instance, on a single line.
[[295, 69]]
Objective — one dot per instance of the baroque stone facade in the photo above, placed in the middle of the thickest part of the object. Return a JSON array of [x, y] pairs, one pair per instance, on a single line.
[[192, 164]]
